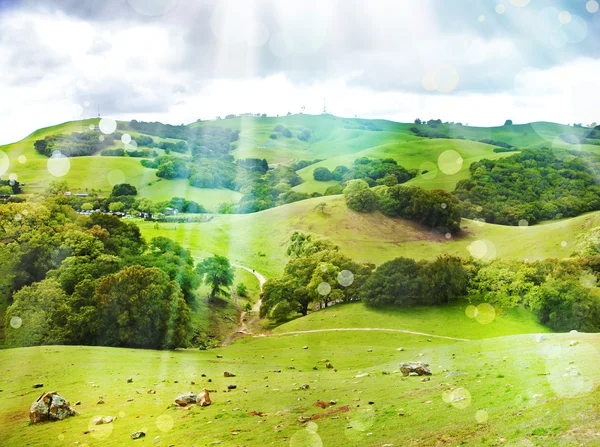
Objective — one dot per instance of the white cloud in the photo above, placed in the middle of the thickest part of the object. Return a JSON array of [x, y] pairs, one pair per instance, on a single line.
[[367, 59]]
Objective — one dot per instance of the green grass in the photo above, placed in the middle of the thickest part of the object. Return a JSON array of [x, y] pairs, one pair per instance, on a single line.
[[365, 237], [502, 375], [450, 321]]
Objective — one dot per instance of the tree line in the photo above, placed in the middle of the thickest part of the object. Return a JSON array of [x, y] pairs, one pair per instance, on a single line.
[[72, 279], [562, 293]]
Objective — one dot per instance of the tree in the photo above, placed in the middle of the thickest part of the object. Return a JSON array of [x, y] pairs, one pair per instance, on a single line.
[[87, 206], [57, 187], [141, 308], [5, 190], [363, 201], [321, 207], [32, 307], [116, 207], [322, 174], [418, 121], [217, 274], [394, 282], [242, 290], [123, 189], [508, 123]]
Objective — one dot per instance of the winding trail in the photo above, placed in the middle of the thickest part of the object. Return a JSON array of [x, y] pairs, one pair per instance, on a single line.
[[310, 331], [243, 325]]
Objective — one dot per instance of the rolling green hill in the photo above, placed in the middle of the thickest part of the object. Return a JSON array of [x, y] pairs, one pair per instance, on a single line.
[[511, 388], [336, 140], [258, 240]]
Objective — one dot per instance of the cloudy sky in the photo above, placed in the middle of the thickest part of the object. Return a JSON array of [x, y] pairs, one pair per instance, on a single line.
[[479, 62]]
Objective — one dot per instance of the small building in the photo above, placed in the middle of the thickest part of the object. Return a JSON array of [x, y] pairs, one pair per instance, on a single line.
[[170, 211]]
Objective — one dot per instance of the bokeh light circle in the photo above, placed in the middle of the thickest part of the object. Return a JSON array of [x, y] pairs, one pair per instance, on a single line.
[[470, 311], [481, 18], [485, 313], [481, 416], [100, 431], [428, 170], [564, 17], [520, 3], [107, 125], [324, 288], [588, 280], [165, 423], [16, 322], [460, 398], [306, 438], [500, 8], [126, 138], [345, 278], [450, 162], [22, 159], [523, 223], [482, 249], [446, 78], [58, 164], [592, 6]]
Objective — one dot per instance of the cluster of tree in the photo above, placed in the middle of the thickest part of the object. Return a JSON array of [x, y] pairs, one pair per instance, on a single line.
[[316, 273], [362, 125], [301, 164], [436, 208], [283, 131], [304, 135], [180, 147], [8, 187], [531, 186], [562, 293], [73, 279], [405, 282], [377, 171], [77, 144], [137, 153]]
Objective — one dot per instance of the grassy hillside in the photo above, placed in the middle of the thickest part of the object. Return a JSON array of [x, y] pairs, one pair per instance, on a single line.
[[258, 240], [335, 139], [509, 390]]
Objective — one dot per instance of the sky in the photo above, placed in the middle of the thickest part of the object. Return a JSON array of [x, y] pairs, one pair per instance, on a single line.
[[176, 61]]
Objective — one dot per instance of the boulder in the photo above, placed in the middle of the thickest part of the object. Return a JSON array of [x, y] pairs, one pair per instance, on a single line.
[[137, 435], [186, 399], [203, 399], [50, 407], [228, 374], [415, 368]]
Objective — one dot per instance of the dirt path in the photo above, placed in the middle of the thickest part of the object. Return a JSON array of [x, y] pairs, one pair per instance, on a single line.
[[244, 327], [363, 329]]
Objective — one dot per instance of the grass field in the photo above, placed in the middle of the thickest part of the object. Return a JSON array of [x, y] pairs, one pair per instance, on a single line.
[[258, 240], [510, 390]]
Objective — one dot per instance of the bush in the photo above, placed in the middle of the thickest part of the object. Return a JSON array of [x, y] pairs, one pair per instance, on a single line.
[[322, 174]]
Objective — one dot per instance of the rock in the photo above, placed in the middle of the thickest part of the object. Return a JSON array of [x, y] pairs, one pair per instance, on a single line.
[[219, 356], [371, 402], [151, 392], [329, 366], [228, 374], [400, 349], [186, 399], [203, 375], [305, 347], [369, 350], [78, 402], [573, 343], [231, 387], [425, 379], [50, 407], [305, 386], [98, 420], [303, 419], [322, 404], [203, 399], [277, 370], [109, 419], [315, 368], [415, 368], [360, 376], [38, 385], [137, 435], [130, 380], [100, 402]]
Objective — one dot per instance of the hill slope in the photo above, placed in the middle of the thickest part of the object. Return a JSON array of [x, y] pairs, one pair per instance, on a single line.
[[258, 240]]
